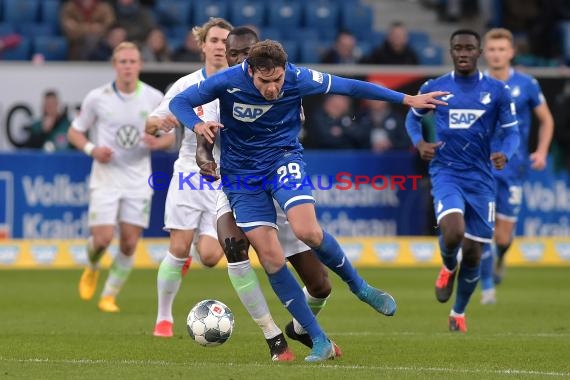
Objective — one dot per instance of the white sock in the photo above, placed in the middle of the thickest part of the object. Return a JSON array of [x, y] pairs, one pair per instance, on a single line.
[[168, 282], [118, 274], [316, 305], [246, 284], [454, 314]]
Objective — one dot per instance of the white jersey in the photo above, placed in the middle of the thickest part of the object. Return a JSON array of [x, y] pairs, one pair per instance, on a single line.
[[186, 161], [117, 121]]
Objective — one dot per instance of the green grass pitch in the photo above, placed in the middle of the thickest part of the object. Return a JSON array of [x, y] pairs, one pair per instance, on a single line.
[[47, 332]]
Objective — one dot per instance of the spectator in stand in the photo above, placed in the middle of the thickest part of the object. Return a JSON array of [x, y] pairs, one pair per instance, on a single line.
[[135, 18], [343, 50], [190, 51], [84, 23], [334, 127], [396, 50], [9, 41], [50, 131], [104, 49], [386, 125], [155, 48]]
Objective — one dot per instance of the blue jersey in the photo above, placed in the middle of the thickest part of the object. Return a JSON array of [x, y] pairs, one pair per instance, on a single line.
[[477, 105], [527, 95], [257, 133]]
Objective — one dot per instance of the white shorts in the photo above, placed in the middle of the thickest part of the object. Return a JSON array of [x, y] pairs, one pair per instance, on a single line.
[[107, 206], [189, 209], [291, 245]]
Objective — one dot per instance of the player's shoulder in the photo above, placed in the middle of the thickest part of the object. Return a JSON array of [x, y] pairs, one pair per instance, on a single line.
[[442, 80], [493, 83], [100, 91], [297, 74], [523, 79], [190, 79], [151, 90]]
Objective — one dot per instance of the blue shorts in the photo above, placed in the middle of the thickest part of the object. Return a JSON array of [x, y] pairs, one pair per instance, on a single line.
[[509, 198], [478, 208], [251, 198]]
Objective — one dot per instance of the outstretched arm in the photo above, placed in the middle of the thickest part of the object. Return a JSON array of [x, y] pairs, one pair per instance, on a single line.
[[205, 158], [360, 89]]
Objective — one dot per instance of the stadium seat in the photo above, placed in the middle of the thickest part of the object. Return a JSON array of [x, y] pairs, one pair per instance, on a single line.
[[270, 33], [284, 14], [322, 15], [32, 29], [418, 38], [49, 11], [430, 54], [19, 53], [357, 18], [292, 49], [6, 28], [301, 34], [247, 12], [565, 37], [214, 8], [172, 12], [311, 52], [179, 31], [174, 42], [52, 48], [16, 11]]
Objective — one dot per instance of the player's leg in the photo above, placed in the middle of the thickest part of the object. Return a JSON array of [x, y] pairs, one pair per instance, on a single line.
[[266, 244], [121, 266], [488, 295], [449, 207], [303, 220], [479, 224], [504, 232], [208, 248], [103, 210], [180, 220], [245, 281]]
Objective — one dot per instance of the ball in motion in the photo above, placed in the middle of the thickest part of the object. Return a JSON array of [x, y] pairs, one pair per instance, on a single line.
[[210, 323]]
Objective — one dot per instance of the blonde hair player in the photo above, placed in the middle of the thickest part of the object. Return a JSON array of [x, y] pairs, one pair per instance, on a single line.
[[114, 115]]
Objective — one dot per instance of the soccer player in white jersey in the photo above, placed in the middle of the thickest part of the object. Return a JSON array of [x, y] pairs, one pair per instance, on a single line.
[[114, 115], [188, 213]]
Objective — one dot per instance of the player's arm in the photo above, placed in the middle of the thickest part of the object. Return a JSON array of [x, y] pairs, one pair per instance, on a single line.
[[510, 136], [159, 142], [413, 125], [182, 106], [205, 158], [154, 124], [545, 129]]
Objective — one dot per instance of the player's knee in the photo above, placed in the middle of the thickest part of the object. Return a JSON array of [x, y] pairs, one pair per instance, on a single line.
[[502, 238], [128, 245], [313, 237], [321, 287], [101, 242], [211, 258], [235, 250], [180, 249], [452, 238]]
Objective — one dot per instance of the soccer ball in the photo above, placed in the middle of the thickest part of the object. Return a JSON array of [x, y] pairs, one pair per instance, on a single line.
[[210, 323]]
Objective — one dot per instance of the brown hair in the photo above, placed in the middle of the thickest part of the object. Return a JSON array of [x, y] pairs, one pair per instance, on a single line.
[[499, 33], [200, 32], [266, 55]]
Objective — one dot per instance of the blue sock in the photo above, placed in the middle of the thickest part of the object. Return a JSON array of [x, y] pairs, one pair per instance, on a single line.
[[466, 284], [331, 254], [292, 297], [449, 256], [487, 267]]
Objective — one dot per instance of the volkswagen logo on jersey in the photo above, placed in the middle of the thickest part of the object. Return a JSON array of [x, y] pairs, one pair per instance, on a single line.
[[128, 136], [249, 112], [463, 118]]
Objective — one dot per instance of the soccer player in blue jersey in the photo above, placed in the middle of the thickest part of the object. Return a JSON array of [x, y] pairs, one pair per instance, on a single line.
[[528, 98], [462, 181], [260, 104]]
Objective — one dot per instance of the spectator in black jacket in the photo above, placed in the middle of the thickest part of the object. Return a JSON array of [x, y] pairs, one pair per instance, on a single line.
[[396, 50]]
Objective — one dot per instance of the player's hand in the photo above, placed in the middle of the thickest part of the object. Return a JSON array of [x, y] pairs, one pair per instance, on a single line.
[[102, 154], [427, 150], [499, 160], [208, 129], [208, 171], [151, 142], [427, 100], [538, 160]]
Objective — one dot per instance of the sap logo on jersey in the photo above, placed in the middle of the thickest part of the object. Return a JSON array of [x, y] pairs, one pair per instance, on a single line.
[[463, 118], [249, 112]]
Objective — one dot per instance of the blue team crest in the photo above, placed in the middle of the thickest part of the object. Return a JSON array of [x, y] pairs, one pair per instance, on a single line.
[[387, 251], [485, 97], [515, 91], [532, 251], [563, 250], [422, 251]]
